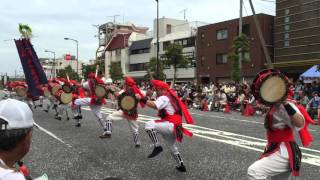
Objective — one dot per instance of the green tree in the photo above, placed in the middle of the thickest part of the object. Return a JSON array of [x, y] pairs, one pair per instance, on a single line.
[[239, 48], [86, 69], [68, 71], [152, 68], [115, 71], [174, 58]]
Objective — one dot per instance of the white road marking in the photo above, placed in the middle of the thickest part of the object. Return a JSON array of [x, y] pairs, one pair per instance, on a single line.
[[51, 134], [239, 140]]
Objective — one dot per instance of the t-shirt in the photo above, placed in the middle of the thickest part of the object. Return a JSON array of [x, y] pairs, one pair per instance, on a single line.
[[163, 102], [9, 174]]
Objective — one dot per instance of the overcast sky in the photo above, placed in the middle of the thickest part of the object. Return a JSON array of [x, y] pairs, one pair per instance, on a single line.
[[52, 20]]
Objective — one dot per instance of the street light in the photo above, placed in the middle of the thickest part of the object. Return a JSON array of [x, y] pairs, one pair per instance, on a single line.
[[157, 38], [54, 61], [77, 50]]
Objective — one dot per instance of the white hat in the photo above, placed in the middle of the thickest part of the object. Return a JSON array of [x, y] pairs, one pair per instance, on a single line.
[[16, 113]]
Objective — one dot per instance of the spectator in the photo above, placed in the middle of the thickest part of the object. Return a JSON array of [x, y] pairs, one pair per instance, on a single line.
[[313, 106], [16, 122]]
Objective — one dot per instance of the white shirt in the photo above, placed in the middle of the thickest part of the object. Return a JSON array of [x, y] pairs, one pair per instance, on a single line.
[[163, 102], [280, 120], [9, 174]]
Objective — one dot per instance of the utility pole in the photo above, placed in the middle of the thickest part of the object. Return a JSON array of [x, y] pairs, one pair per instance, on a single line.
[[240, 32], [158, 60], [184, 11], [262, 41], [98, 36]]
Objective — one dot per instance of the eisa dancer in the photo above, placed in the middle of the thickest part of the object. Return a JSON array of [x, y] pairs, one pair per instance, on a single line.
[[170, 110], [130, 88], [282, 154], [93, 101]]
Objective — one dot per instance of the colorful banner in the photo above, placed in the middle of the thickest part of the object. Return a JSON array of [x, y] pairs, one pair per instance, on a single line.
[[32, 68]]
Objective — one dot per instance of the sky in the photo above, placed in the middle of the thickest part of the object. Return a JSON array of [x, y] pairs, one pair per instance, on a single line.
[[52, 20]]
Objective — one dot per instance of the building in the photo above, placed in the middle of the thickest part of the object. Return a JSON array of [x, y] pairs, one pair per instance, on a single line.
[[114, 40], [181, 32], [214, 42], [60, 63], [297, 37]]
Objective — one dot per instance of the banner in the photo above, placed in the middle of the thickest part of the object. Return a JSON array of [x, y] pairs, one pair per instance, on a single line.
[[32, 68]]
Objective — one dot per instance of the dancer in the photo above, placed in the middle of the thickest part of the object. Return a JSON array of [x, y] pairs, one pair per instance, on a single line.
[[282, 154], [130, 88], [93, 101], [170, 110]]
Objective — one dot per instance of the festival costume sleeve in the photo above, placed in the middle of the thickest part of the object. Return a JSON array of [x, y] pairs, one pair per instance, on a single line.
[[305, 135]]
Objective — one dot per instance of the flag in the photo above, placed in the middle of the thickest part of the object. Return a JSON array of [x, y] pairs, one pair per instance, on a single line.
[[32, 68]]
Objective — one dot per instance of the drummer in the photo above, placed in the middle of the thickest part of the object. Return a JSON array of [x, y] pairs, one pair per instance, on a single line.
[[92, 101], [282, 154], [129, 88]]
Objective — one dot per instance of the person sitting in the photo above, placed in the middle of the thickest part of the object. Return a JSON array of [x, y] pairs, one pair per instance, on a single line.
[[16, 122], [313, 107]]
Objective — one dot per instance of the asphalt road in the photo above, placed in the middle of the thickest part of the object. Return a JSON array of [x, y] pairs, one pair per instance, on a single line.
[[223, 147]]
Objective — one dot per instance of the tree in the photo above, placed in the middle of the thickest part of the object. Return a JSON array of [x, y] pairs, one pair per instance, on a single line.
[[152, 67], [175, 58], [115, 71], [68, 71], [86, 69], [239, 48]]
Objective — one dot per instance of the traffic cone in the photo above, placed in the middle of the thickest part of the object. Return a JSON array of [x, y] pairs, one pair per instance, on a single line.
[[226, 109], [205, 106], [248, 110]]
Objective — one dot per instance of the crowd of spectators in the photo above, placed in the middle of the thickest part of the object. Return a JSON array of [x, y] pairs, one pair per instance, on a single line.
[[216, 96]]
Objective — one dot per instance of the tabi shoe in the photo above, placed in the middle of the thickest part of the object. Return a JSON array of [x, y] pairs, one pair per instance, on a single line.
[[105, 135], [181, 168], [157, 150]]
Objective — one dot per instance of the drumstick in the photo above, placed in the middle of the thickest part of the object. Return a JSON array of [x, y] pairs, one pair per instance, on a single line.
[[97, 69], [68, 78]]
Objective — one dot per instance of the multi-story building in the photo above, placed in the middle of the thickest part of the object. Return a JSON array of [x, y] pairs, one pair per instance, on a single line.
[[170, 31], [297, 37], [114, 40], [214, 43], [60, 63]]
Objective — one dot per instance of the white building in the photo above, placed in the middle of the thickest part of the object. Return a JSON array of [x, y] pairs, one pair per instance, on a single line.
[[133, 46], [60, 63]]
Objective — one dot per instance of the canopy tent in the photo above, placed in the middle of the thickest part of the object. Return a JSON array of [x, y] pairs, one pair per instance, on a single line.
[[311, 74]]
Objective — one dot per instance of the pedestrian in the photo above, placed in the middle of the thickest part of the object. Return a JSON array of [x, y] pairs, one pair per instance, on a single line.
[[16, 122], [171, 110]]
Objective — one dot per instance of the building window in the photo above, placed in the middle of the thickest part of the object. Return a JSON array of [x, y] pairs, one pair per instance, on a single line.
[[286, 36], [245, 29], [118, 52], [286, 43], [140, 51], [202, 35], [138, 67], [169, 28], [222, 34], [222, 58], [165, 45], [286, 11], [287, 27], [186, 42], [286, 19]]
